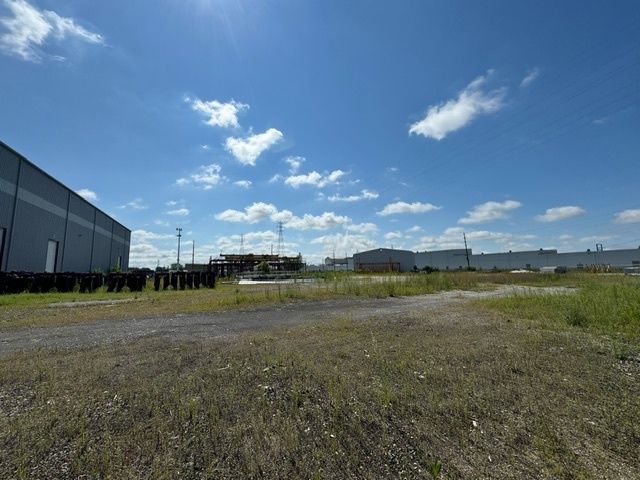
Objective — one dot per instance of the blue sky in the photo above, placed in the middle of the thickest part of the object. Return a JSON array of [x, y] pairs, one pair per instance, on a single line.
[[358, 124]]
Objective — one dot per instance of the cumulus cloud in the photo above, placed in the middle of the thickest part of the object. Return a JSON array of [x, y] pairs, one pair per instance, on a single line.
[[393, 235], [324, 221], [30, 28], [265, 211], [560, 213], [219, 114], [180, 212], [403, 207], [252, 242], [243, 183], [453, 238], [315, 179], [149, 248], [490, 211], [136, 204], [252, 214], [206, 176], [628, 216], [364, 195], [414, 229], [247, 150], [340, 244], [87, 194], [294, 164], [456, 113], [362, 228]]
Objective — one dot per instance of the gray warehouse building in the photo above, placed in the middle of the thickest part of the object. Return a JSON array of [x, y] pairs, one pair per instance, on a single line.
[[46, 227]]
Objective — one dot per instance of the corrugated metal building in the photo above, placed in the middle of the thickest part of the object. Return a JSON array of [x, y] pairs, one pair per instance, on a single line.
[[45, 227], [384, 259]]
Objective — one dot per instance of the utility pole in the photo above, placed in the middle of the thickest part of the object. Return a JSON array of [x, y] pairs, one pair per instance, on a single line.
[[466, 250], [193, 253], [179, 230]]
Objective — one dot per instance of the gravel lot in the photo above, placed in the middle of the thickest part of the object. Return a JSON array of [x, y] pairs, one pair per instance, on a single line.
[[221, 324]]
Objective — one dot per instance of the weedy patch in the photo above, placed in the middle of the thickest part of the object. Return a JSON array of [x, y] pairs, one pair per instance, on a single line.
[[506, 388]]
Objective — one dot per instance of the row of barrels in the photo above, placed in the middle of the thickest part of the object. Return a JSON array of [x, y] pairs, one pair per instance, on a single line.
[[19, 282], [184, 280]]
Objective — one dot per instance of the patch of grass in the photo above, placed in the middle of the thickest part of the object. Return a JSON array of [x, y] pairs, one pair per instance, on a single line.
[[612, 308]]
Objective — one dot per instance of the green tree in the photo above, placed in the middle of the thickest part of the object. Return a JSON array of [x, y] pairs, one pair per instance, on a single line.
[[264, 267]]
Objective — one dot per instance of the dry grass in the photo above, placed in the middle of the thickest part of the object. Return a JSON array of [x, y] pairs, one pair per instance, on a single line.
[[484, 393]]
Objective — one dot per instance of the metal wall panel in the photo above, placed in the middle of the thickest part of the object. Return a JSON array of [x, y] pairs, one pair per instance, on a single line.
[[46, 210], [9, 166], [101, 257], [78, 243], [32, 230], [38, 183]]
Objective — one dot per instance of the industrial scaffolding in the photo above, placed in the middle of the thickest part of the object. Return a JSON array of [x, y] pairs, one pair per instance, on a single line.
[[227, 265]]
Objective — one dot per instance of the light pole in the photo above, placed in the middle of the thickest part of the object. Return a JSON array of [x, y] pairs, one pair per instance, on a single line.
[[193, 253], [179, 230]]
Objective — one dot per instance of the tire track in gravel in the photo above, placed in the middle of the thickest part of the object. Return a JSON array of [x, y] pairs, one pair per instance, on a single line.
[[225, 324]]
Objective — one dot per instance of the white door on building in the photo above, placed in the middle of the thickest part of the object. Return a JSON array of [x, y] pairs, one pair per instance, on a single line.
[[2, 235], [52, 256]]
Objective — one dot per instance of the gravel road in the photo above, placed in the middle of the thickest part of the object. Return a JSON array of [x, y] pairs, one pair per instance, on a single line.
[[221, 324]]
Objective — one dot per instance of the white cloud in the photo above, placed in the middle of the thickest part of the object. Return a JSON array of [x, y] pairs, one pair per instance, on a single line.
[[362, 228], [136, 204], [263, 211], [29, 29], [243, 183], [87, 194], [403, 207], [145, 250], [180, 212], [294, 164], [490, 211], [598, 239], [560, 213], [456, 113], [317, 222], [219, 114], [530, 78], [364, 195], [393, 235], [340, 244], [453, 238], [144, 235], [206, 176], [247, 150], [315, 179], [252, 214], [251, 242], [414, 229], [628, 216]]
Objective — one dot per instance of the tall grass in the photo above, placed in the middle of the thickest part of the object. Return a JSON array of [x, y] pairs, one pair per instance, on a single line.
[[607, 307]]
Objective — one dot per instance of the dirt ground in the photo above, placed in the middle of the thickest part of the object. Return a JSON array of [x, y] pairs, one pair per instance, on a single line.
[[221, 324]]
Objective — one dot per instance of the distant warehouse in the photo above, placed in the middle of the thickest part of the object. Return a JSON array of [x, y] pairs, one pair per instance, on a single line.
[[46, 227]]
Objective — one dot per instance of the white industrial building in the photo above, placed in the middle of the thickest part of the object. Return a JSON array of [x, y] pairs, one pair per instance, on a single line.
[[385, 259]]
